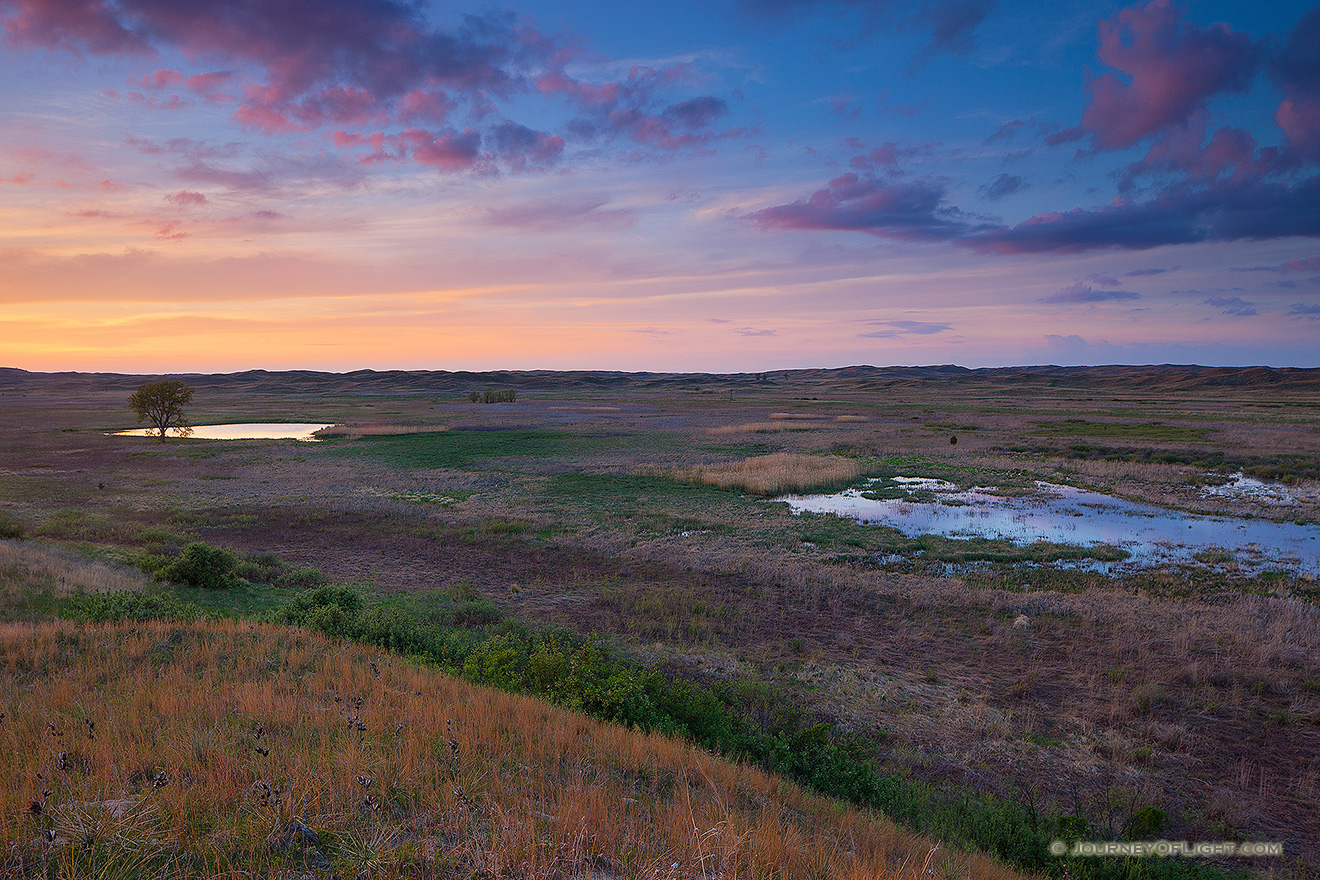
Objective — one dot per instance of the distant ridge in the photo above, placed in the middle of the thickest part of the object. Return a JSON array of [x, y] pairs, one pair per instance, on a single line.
[[1169, 377]]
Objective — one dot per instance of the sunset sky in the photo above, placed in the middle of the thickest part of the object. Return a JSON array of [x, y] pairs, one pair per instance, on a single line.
[[730, 185]]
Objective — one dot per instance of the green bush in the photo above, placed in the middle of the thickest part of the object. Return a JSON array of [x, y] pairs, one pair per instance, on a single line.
[[10, 526], [201, 565]]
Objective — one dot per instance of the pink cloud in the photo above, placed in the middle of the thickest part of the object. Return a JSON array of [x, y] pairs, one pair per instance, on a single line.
[[158, 79], [430, 106], [448, 152], [1170, 68], [186, 199], [1302, 264]]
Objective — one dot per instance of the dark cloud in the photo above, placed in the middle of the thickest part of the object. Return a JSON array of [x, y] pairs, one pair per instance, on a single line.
[[1006, 131], [1302, 310], [894, 329], [697, 113], [1079, 293], [1170, 68], [910, 211], [953, 24], [1138, 273], [1231, 305], [636, 108], [1296, 71], [1181, 214], [1002, 186]]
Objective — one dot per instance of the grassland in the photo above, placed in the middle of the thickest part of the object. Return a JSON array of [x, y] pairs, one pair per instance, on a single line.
[[967, 670], [228, 749]]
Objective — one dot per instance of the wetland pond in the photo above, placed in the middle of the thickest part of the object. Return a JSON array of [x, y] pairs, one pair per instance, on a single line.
[[248, 431], [1152, 536]]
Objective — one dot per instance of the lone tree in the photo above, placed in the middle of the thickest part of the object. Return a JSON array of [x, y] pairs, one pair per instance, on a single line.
[[161, 404]]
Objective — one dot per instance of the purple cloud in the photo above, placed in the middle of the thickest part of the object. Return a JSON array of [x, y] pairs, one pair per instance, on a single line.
[[1079, 293], [1169, 67], [887, 209], [1302, 310], [1231, 305]]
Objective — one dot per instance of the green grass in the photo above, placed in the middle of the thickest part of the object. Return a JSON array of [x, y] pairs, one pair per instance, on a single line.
[[458, 449], [1122, 430]]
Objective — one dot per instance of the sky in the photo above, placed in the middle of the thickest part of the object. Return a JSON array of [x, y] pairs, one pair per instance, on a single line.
[[727, 185]]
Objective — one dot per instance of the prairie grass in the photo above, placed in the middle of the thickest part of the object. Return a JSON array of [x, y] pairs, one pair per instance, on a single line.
[[229, 749], [763, 428], [29, 567], [774, 473]]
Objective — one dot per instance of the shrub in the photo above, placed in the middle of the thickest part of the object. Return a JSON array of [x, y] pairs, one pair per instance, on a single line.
[[202, 565], [10, 527]]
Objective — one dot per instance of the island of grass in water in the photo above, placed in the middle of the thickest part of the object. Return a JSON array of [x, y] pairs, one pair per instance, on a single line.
[[1058, 514]]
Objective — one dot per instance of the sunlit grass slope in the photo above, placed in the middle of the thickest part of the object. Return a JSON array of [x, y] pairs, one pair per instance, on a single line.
[[238, 749]]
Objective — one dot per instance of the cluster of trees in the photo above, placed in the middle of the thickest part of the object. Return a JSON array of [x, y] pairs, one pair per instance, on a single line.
[[491, 396]]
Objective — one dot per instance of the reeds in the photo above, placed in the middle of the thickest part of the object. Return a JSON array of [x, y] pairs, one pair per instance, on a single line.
[[775, 473]]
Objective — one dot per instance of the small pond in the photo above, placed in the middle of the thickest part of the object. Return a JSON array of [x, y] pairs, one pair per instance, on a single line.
[[1064, 515], [249, 431]]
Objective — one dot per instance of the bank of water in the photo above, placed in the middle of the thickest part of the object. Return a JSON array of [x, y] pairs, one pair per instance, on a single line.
[[248, 431], [1151, 535]]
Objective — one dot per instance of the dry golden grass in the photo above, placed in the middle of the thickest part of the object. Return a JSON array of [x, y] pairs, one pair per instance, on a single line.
[[851, 419], [774, 473], [174, 750], [28, 567], [353, 432]]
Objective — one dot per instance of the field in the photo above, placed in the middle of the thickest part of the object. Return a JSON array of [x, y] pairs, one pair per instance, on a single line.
[[1176, 702]]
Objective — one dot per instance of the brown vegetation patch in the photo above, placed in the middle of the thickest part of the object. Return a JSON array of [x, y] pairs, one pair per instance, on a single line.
[[775, 473]]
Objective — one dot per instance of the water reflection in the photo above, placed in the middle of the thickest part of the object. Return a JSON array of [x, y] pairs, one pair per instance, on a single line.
[[249, 431], [1064, 515]]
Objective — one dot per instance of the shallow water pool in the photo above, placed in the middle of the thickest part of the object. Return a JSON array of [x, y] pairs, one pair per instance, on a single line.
[[1065, 515], [249, 431]]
